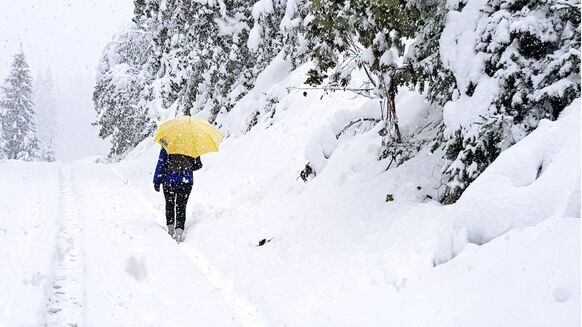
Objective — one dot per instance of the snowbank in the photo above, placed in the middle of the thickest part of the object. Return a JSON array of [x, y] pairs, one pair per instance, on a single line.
[[340, 254], [29, 207], [356, 245], [535, 179]]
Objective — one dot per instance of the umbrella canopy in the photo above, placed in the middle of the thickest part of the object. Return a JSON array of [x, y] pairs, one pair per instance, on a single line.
[[191, 136]]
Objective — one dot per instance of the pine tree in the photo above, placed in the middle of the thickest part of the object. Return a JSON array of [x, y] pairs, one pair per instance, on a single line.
[[198, 60], [430, 75], [532, 48], [3, 137], [536, 58], [206, 56], [18, 116], [238, 76], [184, 34], [266, 37], [3, 141], [294, 29], [204, 61], [278, 25], [122, 108]]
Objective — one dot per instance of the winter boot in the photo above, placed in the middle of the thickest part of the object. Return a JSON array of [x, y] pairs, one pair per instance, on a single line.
[[171, 230], [178, 235]]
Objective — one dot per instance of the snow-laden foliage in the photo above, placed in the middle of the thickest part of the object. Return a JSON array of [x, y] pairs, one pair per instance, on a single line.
[[429, 73], [396, 43], [349, 36], [201, 59], [278, 25], [530, 52], [3, 140], [491, 69], [119, 92], [17, 116], [190, 57]]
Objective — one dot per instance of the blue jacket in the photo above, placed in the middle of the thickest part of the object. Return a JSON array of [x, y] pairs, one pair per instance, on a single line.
[[164, 175]]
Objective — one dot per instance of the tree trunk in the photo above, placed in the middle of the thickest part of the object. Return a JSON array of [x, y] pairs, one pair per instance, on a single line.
[[392, 117], [391, 131]]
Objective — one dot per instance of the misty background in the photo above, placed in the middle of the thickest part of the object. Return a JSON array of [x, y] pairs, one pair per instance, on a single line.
[[68, 38]]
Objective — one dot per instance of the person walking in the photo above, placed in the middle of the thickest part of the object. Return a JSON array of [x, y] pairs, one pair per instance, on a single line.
[[175, 173], [183, 140]]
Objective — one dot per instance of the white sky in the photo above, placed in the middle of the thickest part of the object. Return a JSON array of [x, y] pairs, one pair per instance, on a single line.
[[68, 37]]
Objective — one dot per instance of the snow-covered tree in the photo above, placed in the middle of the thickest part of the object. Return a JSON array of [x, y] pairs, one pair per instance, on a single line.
[[532, 49], [121, 107], [206, 58], [294, 29], [432, 78], [3, 141], [45, 105], [230, 61], [363, 35], [200, 58], [278, 25], [266, 37], [18, 116], [394, 43]]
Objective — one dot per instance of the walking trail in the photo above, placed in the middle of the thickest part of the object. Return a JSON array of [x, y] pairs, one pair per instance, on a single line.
[[110, 262]]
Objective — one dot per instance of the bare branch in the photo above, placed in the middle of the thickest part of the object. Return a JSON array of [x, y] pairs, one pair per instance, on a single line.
[[331, 88], [369, 76], [352, 123]]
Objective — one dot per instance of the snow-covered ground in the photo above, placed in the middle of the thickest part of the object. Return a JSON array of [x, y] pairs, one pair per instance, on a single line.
[[84, 243]]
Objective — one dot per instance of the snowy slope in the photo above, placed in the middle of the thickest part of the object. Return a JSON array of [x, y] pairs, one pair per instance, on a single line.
[[28, 224], [341, 255], [85, 243]]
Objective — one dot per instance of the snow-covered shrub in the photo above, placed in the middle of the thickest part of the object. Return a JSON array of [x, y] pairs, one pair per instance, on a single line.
[[530, 52]]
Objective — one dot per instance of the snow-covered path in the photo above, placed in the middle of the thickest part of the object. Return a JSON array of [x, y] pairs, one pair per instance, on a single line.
[[106, 261], [65, 301], [84, 243]]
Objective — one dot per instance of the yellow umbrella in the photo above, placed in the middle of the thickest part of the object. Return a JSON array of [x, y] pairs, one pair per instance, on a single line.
[[191, 136]]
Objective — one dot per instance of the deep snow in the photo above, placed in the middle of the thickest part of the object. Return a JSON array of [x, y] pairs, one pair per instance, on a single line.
[[84, 243]]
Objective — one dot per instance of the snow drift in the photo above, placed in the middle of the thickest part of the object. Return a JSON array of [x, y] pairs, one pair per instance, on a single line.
[[358, 244], [340, 254]]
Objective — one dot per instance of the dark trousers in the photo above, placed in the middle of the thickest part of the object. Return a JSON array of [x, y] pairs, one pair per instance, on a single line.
[[176, 199]]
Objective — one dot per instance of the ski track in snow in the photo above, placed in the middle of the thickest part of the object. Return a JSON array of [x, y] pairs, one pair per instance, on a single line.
[[65, 301], [248, 314]]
